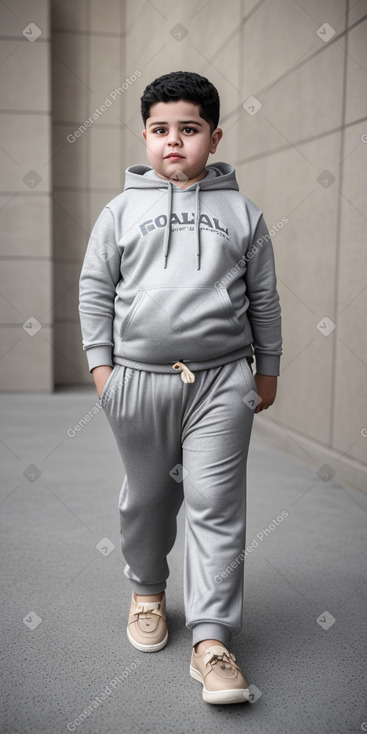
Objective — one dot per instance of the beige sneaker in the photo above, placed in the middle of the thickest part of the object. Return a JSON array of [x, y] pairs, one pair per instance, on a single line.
[[147, 626], [222, 679]]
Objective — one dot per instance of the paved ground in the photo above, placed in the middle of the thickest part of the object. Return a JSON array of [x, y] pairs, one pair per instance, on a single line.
[[64, 604]]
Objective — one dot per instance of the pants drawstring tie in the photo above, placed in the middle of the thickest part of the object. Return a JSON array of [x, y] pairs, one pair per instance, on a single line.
[[186, 374]]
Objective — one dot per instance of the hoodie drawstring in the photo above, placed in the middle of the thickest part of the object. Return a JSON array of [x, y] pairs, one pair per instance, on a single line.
[[167, 231], [186, 375], [197, 225]]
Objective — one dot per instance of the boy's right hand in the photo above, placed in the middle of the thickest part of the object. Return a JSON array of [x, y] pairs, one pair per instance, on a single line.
[[101, 375]]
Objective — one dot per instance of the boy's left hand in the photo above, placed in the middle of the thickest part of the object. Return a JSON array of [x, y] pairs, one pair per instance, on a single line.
[[266, 387]]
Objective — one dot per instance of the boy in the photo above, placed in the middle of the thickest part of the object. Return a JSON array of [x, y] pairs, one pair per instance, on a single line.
[[179, 280]]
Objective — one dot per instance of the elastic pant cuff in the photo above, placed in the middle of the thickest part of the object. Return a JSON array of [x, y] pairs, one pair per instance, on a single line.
[[148, 589], [211, 631]]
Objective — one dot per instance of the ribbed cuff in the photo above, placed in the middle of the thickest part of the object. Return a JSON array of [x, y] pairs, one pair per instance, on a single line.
[[149, 589], [98, 356], [267, 364], [211, 631]]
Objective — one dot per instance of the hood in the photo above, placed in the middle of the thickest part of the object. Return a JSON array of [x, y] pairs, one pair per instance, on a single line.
[[219, 176]]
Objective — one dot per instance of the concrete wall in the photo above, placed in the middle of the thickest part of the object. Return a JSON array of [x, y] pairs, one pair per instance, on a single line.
[[300, 153], [26, 316], [88, 62]]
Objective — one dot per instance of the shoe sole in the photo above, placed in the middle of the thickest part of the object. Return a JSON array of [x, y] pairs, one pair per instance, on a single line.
[[232, 695], [147, 648]]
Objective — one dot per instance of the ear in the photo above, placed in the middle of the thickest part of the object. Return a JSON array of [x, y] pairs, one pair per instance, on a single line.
[[215, 138], [144, 134]]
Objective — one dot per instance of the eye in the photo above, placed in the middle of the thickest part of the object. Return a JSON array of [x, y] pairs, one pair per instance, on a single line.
[[159, 130], [189, 130]]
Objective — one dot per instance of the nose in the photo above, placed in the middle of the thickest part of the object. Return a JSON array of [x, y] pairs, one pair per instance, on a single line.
[[174, 138]]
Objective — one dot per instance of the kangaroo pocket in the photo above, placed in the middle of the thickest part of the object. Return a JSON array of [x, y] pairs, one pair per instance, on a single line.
[[169, 324]]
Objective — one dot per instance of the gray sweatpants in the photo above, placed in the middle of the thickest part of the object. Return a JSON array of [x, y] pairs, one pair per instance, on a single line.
[[185, 441]]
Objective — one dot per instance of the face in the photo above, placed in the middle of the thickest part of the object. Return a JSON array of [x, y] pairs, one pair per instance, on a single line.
[[179, 142]]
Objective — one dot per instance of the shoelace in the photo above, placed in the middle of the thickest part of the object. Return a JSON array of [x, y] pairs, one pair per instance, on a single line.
[[215, 658], [147, 607], [186, 374]]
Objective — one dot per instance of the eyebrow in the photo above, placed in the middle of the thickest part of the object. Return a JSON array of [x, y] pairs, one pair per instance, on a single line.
[[180, 122]]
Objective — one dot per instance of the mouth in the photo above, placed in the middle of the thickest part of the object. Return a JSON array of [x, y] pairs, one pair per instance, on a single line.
[[174, 155]]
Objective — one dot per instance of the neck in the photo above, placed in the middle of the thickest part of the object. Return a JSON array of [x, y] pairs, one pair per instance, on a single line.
[[185, 184]]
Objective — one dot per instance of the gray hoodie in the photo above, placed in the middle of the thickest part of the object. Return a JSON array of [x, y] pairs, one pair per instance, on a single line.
[[174, 274]]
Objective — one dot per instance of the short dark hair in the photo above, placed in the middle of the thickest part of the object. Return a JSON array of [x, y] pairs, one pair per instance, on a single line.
[[185, 85]]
